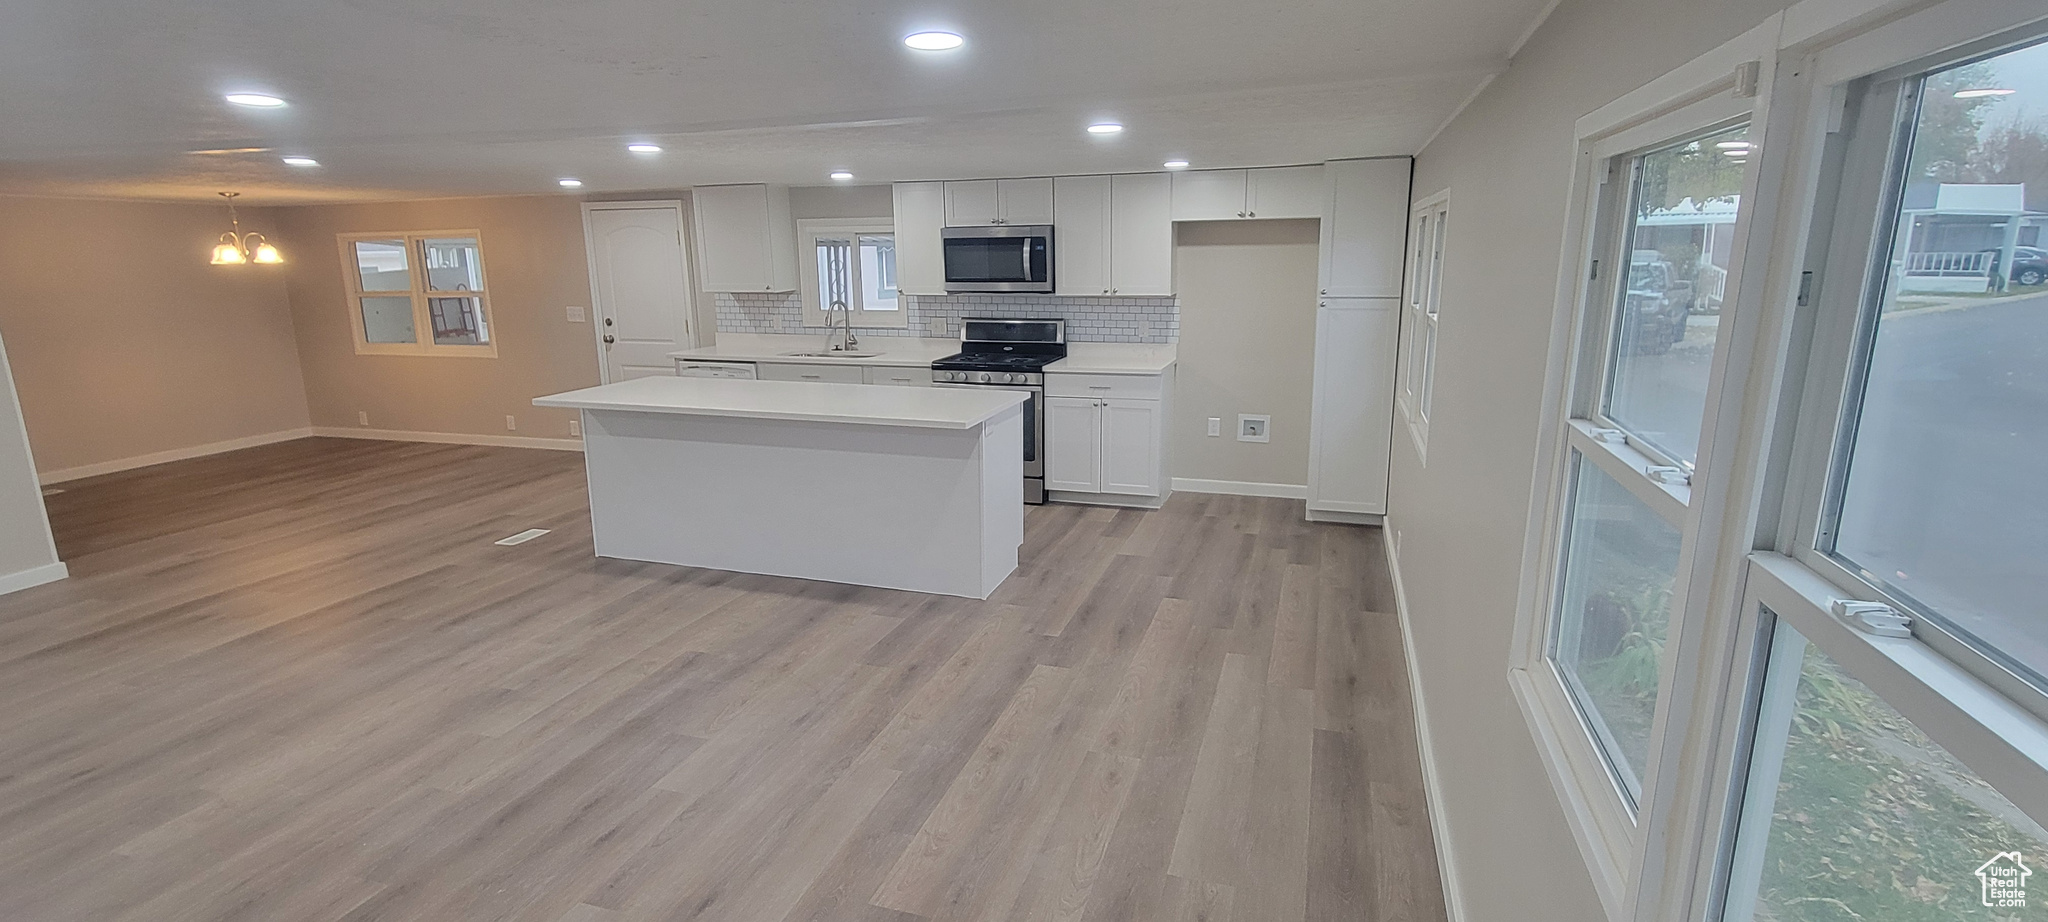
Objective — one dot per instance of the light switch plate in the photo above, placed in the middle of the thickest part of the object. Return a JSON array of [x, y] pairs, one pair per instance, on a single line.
[[1254, 428], [511, 423], [575, 314], [1215, 425]]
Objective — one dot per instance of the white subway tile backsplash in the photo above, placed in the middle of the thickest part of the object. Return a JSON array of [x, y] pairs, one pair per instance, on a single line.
[[1097, 320]]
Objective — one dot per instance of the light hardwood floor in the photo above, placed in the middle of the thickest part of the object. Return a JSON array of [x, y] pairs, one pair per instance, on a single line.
[[299, 683]]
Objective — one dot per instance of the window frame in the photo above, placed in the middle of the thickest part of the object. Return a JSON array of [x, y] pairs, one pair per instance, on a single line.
[[808, 230], [1421, 314], [422, 319], [1626, 845], [1795, 363]]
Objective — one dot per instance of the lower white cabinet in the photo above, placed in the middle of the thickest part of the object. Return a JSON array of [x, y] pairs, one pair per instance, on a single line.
[[1099, 442], [1352, 411], [1073, 444], [900, 377], [825, 374]]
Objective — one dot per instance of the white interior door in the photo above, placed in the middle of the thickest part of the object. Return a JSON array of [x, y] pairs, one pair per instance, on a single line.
[[640, 284]]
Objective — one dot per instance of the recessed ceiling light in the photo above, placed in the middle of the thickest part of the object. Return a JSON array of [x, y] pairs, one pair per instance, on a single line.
[[934, 41], [254, 100], [569, 183], [301, 161], [644, 148], [841, 175], [1105, 128], [1979, 94], [1733, 145], [1175, 164]]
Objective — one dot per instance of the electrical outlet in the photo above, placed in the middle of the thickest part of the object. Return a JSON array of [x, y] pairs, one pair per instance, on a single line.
[[1144, 329], [575, 314], [512, 423], [1254, 428], [362, 417], [576, 428], [1215, 426]]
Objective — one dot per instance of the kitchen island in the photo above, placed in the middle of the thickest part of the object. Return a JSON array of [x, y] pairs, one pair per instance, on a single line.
[[899, 487]]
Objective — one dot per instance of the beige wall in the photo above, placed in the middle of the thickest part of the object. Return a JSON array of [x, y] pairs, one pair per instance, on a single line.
[[127, 343], [1247, 345], [25, 543], [1459, 521], [534, 262]]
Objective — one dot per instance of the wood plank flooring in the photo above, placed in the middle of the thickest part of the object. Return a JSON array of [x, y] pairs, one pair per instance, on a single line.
[[300, 683]]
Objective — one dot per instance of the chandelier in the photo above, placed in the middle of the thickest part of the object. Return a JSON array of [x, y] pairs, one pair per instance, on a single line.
[[236, 248]]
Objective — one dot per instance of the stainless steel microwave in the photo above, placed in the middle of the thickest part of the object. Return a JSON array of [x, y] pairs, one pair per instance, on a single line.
[[1000, 257]]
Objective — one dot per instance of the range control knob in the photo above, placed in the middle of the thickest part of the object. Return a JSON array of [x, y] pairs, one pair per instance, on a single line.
[[1016, 379], [987, 378]]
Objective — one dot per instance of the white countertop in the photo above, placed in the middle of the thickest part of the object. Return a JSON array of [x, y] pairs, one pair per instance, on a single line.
[[796, 401], [908, 352]]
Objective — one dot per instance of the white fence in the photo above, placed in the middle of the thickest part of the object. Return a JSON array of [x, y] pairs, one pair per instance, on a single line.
[[1950, 264]]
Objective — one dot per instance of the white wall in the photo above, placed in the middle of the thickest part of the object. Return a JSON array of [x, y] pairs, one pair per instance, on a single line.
[[128, 346], [1247, 345], [1459, 521], [27, 554]]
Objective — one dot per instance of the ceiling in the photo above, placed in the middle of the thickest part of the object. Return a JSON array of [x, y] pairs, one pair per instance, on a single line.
[[414, 98]]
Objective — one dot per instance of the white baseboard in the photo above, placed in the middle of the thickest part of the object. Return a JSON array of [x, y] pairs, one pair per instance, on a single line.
[[1346, 518], [1432, 788], [448, 438], [1241, 488], [1105, 499], [33, 576], [175, 454]]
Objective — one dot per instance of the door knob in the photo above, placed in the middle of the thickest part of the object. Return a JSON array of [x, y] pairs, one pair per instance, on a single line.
[[607, 321], [608, 339]]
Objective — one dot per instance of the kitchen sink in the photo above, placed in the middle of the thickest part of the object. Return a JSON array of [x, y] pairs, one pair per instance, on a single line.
[[831, 355]]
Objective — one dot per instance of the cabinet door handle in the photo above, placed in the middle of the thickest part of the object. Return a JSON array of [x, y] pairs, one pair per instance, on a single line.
[[608, 339], [810, 376], [1251, 214], [1098, 387], [1240, 214]]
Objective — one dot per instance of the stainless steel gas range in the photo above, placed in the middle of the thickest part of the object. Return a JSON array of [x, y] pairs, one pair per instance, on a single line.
[[1010, 354]]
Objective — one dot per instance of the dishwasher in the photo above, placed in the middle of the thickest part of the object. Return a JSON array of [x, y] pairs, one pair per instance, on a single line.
[[689, 369]]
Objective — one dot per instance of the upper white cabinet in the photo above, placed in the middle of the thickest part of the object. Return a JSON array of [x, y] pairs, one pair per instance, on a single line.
[[1080, 235], [1228, 195], [1285, 192], [1141, 234], [999, 201], [1362, 236], [1208, 195], [1113, 235], [920, 258], [746, 240]]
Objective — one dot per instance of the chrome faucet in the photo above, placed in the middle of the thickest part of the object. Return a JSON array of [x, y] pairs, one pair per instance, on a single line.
[[849, 342]]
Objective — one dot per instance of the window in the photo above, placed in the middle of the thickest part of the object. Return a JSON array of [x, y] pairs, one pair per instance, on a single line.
[[1938, 501], [850, 263], [418, 294], [1854, 813], [1665, 219], [1897, 741], [1426, 231]]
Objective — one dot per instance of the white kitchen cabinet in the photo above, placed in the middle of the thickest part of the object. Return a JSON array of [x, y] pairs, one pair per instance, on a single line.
[[1208, 195], [1228, 195], [1105, 435], [920, 256], [1285, 192], [999, 201], [898, 376], [1352, 408], [1113, 235], [746, 239], [1363, 235], [1130, 446], [1073, 444], [817, 374], [1081, 231], [1141, 234]]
